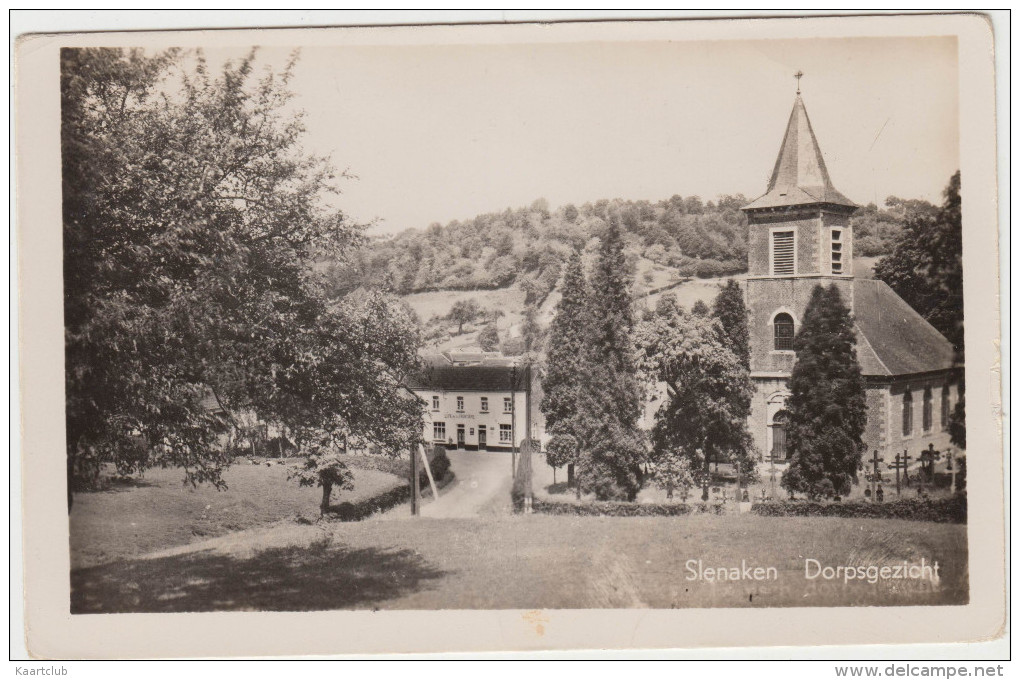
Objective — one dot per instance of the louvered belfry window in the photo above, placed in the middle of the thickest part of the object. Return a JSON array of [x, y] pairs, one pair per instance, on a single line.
[[837, 251], [782, 253]]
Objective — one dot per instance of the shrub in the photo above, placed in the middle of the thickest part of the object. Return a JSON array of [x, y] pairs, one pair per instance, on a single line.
[[624, 509], [439, 462], [353, 512], [946, 510], [521, 488]]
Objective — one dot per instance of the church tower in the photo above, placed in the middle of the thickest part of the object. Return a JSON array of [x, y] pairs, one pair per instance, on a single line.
[[798, 237]]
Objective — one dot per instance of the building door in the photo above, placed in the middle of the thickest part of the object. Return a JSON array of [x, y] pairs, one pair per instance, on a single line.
[[481, 436], [460, 436], [779, 424]]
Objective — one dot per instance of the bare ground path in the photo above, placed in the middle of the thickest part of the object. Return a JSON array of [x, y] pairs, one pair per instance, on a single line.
[[481, 488]]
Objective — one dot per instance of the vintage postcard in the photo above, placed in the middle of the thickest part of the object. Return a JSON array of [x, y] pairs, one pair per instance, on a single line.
[[622, 335]]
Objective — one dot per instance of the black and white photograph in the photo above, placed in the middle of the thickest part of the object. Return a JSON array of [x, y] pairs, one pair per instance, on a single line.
[[458, 322]]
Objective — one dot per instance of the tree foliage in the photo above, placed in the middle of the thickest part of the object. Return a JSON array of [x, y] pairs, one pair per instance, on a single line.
[[529, 246], [926, 265], [709, 391], [592, 390], [191, 221], [617, 449], [488, 338], [561, 450], [464, 311], [673, 472], [958, 420], [729, 308], [566, 365], [827, 405]]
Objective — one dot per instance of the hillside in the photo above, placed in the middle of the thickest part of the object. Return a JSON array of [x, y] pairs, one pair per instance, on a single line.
[[433, 306], [508, 264]]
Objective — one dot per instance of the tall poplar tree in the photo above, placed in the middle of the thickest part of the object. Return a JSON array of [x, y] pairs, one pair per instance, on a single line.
[[731, 311], [564, 380], [616, 449], [827, 401]]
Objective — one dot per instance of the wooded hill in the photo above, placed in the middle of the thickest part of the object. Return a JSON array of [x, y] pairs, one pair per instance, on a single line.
[[528, 246]]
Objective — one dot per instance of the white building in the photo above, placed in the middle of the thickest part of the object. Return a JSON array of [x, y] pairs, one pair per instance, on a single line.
[[481, 404]]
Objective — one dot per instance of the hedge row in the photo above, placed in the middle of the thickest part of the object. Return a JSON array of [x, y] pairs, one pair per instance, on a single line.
[[400, 467], [624, 509], [353, 512], [951, 510]]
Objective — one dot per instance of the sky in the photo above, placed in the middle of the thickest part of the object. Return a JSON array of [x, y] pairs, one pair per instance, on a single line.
[[437, 133]]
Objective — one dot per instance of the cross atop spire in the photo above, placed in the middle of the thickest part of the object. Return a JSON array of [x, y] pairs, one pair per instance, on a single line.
[[798, 75]]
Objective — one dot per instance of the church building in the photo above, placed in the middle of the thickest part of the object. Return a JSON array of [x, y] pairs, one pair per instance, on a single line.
[[799, 236]]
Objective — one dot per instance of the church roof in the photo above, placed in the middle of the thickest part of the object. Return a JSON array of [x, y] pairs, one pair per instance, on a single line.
[[799, 176], [892, 338]]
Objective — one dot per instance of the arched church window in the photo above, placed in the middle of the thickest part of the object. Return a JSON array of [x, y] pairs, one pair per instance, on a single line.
[[908, 414], [783, 331], [926, 415]]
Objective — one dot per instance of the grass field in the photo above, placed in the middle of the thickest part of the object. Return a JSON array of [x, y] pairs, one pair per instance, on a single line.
[[530, 562], [157, 511]]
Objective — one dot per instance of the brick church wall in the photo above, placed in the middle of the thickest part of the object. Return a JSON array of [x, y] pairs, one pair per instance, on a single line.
[[765, 297]]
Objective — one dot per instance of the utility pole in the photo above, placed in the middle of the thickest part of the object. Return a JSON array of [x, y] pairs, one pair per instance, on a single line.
[[415, 490], [513, 420], [527, 403]]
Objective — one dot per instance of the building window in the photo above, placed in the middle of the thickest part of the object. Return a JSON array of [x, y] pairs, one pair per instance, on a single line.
[[782, 253], [460, 403], [908, 414], [926, 417], [507, 406], [435, 403], [485, 404], [439, 431], [837, 251], [505, 434], [945, 407], [783, 331], [780, 422]]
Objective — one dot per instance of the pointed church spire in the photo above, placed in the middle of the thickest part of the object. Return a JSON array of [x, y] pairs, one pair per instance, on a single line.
[[800, 176]]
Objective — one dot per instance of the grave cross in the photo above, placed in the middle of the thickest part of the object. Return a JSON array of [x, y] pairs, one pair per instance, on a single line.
[[899, 463], [928, 459], [798, 75], [876, 475], [906, 458]]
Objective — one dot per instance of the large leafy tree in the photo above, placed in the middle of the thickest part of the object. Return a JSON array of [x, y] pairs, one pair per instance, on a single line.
[[709, 391], [191, 221], [926, 265], [827, 400]]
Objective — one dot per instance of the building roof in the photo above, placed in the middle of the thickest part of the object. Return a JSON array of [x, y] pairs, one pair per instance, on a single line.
[[799, 176], [892, 338], [210, 403], [441, 375]]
